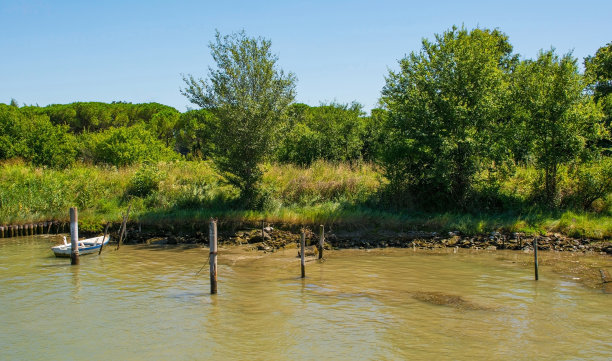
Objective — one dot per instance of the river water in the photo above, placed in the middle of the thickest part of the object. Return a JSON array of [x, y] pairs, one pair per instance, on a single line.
[[147, 303]]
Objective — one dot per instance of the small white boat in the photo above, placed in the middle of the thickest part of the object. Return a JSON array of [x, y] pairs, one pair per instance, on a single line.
[[86, 246]]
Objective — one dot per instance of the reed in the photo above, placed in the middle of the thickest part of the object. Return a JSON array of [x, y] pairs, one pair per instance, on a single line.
[[325, 193]]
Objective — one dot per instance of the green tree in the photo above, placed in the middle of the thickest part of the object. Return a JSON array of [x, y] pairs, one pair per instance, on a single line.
[[598, 71], [556, 114], [249, 95], [193, 133], [31, 136], [163, 125], [445, 106], [373, 134], [332, 132], [124, 146]]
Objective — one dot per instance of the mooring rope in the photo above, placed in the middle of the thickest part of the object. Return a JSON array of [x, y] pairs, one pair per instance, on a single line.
[[205, 263]]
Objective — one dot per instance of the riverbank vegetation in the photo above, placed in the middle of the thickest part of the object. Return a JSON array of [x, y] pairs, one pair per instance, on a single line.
[[187, 192], [469, 137]]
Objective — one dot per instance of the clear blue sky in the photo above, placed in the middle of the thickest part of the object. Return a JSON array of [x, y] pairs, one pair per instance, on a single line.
[[60, 51]]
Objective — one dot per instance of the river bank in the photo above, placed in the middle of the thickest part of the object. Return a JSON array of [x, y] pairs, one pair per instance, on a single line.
[[271, 238]]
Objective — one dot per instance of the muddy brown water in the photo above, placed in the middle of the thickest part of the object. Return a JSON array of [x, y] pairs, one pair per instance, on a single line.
[[147, 303]]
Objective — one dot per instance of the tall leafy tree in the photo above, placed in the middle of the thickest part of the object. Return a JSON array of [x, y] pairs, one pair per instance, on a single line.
[[249, 95], [333, 132], [556, 114], [445, 105], [598, 70]]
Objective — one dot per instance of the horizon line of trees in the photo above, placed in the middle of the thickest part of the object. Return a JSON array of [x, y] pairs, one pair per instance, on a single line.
[[455, 120]]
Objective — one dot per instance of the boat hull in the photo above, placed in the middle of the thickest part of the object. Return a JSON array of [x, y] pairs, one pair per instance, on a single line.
[[86, 246]]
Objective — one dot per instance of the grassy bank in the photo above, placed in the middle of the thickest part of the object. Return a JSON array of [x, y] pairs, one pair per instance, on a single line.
[[182, 192]]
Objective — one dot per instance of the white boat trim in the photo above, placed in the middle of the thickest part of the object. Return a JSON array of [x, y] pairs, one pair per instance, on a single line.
[[86, 246]]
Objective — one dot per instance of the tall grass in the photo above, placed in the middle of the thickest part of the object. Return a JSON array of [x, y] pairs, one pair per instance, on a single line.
[[192, 191]]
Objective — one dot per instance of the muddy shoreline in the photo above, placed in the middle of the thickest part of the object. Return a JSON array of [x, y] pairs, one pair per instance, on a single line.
[[272, 239]]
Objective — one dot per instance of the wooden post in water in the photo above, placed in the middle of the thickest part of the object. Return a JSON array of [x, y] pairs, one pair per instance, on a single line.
[[49, 229], [535, 256], [12, 230], [74, 236], [103, 238], [302, 251], [212, 236], [121, 231], [1, 231], [321, 240], [124, 226]]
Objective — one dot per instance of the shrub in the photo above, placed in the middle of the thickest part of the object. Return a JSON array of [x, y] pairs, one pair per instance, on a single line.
[[145, 181], [124, 146], [592, 182]]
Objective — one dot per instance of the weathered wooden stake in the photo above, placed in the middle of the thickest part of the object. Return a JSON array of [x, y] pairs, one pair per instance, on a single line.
[[49, 229], [303, 249], [2, 231], [12, 230], [121, 231], [321, 240], [535, 256], [263, 225], [103, 238], [74, 236], [212, 236], [124, 226]]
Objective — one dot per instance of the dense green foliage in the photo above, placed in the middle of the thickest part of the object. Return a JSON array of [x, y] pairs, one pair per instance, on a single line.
[[446, 107], [333, 132], [124, 146], [249, 96], [27, 135], [94, 116], [469, 136], [188, 192], [465, 110], [599, 75], [558, 119]]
